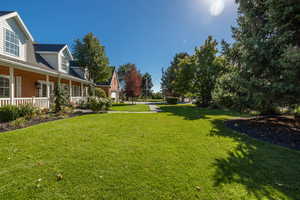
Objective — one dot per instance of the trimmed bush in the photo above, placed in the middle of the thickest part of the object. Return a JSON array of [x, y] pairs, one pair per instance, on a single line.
[[12, 112], [99, 92], [172, 100], [9, 113], [18, 123], [99, 104], [27, 111]]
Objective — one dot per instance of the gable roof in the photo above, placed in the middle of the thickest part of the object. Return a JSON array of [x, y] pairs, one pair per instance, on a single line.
[[2, 13], [48, 47], [108, 82], [77, 72], [41, 60], [13, 14]]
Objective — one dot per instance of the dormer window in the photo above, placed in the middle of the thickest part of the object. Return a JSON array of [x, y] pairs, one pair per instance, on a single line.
[[65, 61], [12, 43]]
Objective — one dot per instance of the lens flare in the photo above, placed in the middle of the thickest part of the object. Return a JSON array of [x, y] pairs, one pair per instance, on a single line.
[[217, 7]]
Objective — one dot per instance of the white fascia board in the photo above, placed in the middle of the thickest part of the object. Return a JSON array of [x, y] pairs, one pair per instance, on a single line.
[[47, 52], [66, 47], [20, 21]]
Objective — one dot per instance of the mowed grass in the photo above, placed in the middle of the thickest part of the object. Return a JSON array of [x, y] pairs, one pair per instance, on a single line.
[[130, 107], [182, 153]]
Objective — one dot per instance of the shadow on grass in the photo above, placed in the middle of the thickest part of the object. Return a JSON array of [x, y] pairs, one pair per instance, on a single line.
[[266, 171], [190, 112]]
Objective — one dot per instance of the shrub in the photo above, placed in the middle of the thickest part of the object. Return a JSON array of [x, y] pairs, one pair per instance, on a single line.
[[201, 103], [99, 104], [60, 97], [172, 100], [12, 112], [27, 111], [9, 113], [68, 109], [99, 92], [82, 104], [18, 123]]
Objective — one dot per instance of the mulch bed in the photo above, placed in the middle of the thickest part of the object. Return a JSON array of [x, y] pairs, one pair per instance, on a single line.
[[280, 130], [4, 127]]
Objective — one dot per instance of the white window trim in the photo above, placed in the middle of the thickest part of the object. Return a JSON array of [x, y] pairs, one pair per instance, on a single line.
[[74, 92], [4, 42], [44, 82], [5, 76]]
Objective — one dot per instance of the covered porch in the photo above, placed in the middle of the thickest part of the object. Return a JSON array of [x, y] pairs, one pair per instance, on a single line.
[[20, 86]]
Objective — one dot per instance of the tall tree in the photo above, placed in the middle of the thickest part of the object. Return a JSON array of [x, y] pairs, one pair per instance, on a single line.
[[268, 38], [147, 85], [184, 76], [206, 71], [122, 71], [133, 82], [90, 55], [170, 83]]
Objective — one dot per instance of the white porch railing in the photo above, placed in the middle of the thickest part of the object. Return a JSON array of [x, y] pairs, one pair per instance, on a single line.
[[41, 102], [4, 101]]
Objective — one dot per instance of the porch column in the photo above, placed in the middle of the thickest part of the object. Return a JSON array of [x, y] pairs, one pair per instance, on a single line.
[[11, 85], [81, 89], [70, 88], [48, 91]]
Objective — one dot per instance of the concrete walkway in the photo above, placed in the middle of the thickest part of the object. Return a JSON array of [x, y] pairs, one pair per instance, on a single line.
[[128, 112], [154, 108]]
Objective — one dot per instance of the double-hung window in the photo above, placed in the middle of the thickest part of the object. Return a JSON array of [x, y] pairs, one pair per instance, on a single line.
[[42, 91], [65, 60], [64, 63], [4, 87], [11, 43], [76, 92]]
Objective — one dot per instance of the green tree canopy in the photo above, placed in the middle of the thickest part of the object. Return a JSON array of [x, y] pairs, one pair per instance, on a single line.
[[90, 55], [147, 85], [206, 71], [268, 56], [122, 71]]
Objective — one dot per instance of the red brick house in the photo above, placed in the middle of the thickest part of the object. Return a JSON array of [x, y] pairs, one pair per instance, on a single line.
[[28, 70], [111, 86]]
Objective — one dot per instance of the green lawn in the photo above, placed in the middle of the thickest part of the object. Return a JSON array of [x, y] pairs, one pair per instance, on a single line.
[[182, 153], [130, 107]]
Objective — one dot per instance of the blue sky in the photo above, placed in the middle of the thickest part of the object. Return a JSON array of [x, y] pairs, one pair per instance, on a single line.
[[145, 32]]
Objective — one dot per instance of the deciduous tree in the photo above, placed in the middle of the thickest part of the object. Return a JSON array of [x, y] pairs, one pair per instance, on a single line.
[[133, 84], [90, 55]]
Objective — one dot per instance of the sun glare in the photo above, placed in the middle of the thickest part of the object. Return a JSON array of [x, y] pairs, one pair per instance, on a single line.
[[217, 7]]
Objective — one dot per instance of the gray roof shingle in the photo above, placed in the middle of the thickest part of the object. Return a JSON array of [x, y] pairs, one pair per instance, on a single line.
[[49, 47], [2, 13], [77, 72]]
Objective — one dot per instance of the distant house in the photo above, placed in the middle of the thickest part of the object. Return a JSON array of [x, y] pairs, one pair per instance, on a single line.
[[28, 70], [111, 86]]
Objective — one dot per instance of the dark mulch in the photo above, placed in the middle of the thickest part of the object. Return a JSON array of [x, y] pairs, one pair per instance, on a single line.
[[4, 127], [280, 130]]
